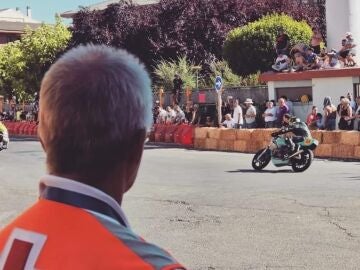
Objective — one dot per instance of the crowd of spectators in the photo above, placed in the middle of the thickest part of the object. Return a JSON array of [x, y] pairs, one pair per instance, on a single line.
[[236, 114], [20, 112], [311, 56]]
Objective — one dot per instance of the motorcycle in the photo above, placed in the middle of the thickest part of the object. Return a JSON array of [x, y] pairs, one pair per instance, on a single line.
[[281, 153], [4, 140]]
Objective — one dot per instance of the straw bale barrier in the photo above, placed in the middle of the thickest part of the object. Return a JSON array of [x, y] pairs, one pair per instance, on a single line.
[[240, 146], [343, 151], [228, 134], [214, 133], [226, 145], [317, 135], [200, 143], [254, 146], [244, 134], [211, 144], [201, 133], [357, 152], [331, 137], [323, 150], [263, 134], [350, 138]]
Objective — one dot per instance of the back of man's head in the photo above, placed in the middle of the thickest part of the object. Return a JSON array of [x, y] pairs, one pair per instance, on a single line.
[[95, 107]]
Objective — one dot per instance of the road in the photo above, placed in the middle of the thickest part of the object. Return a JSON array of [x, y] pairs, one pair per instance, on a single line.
[[212, 211]]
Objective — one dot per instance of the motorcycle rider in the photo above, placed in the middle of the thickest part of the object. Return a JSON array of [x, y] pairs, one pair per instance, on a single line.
[[298, 128], [4, 136]]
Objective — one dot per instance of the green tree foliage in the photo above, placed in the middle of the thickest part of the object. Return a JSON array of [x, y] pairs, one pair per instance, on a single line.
[[23, 63], [250, 49], [166, 70]]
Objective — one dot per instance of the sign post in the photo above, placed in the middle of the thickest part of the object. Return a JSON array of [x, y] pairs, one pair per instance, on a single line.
[[219, 89]]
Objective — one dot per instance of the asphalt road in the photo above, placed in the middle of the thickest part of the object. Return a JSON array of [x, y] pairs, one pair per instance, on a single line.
[[212, 211]]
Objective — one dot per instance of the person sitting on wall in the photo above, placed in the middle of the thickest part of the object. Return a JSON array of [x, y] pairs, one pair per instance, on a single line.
[[331, 61], [312, 60], [282, 63], [282, 42], [316, 40], [299, 61]]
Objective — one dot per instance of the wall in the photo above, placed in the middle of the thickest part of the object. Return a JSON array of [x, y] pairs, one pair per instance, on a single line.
[[333, 87]]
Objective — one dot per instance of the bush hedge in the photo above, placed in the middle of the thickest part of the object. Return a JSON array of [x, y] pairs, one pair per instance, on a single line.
[[250, 48]]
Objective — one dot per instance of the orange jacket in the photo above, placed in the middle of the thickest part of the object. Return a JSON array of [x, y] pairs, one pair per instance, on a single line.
[[56, 235]]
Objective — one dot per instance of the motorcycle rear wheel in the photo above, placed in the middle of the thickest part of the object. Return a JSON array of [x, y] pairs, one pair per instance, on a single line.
[[304, 162], [259, 164]]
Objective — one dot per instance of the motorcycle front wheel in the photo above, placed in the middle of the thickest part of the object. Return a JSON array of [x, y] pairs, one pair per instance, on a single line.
[[260, 163], [303, 162]]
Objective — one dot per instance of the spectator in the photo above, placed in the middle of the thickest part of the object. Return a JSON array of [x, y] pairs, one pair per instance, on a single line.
[[156, 111], [312, 60], [196, 115], [178, 84], [238, 115], [316, 40], [180, 115], [162, 114], [352, 101], [357, 115], [282, 43], [209, 122], [299, 62], [282, 63], [345, 115], [313, 120], [331, 61], [228, 122], [282, 110], [250, 115], [349, 48], [170, 117], [289, 104], [329, 114], [78, 222], [270, 115]]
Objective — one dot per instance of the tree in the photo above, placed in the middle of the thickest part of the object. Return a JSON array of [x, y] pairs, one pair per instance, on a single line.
[[23, 63], [196, 29], [250, 48]]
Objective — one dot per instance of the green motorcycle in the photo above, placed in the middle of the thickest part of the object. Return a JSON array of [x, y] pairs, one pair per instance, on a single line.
[[282, 155]]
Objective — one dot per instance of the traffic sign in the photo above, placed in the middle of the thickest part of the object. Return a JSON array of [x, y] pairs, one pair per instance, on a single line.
[[218, 83]]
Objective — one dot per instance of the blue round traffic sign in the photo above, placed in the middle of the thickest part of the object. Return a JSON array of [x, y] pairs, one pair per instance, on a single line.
[[218, 83]]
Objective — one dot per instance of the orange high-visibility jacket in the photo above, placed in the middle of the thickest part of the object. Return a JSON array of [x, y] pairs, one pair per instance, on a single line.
[[67, 230]]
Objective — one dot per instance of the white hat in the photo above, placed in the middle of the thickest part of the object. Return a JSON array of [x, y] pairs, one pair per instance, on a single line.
[[348, 34], [248, 100]]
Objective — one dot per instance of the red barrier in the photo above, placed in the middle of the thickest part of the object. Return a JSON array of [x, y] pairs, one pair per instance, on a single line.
[[21, 128], [160, 133], [170, 132], [187, 136]]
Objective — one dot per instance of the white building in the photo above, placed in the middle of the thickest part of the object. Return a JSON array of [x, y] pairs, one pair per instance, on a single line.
[[13, 23], [316, 84]]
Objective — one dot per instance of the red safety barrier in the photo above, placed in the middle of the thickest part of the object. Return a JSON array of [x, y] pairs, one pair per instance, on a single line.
[[170, 132], [187, 136], [160, 133]]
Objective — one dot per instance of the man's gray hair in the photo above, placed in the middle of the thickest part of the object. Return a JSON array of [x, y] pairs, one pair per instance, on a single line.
[[95, 103]]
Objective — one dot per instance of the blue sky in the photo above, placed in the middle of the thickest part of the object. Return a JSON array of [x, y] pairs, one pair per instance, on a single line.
[[44, 10]]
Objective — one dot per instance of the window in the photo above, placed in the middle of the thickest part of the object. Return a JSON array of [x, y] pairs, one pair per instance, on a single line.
[[294, 93], [356, 90]]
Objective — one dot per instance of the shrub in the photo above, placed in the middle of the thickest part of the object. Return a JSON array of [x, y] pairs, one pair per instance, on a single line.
[[166, 70], [250, 48]]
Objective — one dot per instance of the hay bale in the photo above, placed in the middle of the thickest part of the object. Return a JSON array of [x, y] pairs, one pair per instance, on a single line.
[[350, 138], [240, 146], [200, 143], [317, 135], [228, 134], [331, 137], [243, 134], [254, 146], [343, 151], [323, 150], [201, 133], [263, 134], [226, 145], [357, 152], [214, 133], [211, 144]]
